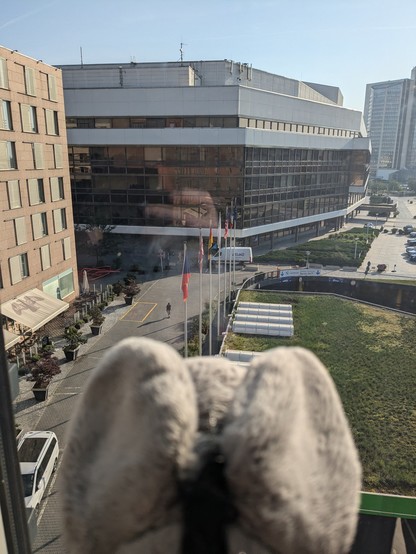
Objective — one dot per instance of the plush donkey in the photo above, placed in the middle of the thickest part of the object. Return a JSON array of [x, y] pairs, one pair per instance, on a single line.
[[204, 456]]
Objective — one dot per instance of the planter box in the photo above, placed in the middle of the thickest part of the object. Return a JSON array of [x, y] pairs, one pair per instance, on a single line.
[[71, 355], [96, 329], [128, 300], [40, 394]]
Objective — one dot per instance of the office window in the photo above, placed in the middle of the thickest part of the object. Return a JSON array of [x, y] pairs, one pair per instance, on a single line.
[[19, 268], [29, 118], [20, 230], [57, 153], [57, 188], [4, 79], [36, 191], [13, 190], [7, 155], [39, 225], [38, 159], [30, 81], [5, 116], [59, 220], [45, 256], [52, 88], [103, 123], [51, 119], [66, 248]]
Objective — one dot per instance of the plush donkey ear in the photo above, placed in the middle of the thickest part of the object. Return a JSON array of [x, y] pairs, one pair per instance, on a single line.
[[291, 461], [135, 423]]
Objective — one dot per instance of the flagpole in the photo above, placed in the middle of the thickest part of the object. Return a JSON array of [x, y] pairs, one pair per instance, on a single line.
[[201, 262], [231, 245], [225, 263], [219, 275], [234, 227], [186, 308], [210, 287]]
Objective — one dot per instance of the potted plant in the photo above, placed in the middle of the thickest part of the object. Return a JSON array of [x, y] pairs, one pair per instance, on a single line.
[[117, 288], [97, 320], [74, 339], [130, 290], [42, 373]]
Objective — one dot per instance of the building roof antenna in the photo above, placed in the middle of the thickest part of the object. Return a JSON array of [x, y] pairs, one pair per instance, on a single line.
[[181, 51]]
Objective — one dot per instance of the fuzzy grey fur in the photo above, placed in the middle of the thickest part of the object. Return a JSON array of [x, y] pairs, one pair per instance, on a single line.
[[292, 467]]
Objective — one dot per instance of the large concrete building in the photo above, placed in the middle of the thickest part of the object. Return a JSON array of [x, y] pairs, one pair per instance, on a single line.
[[154, 146], [37, 246], [390, 117]]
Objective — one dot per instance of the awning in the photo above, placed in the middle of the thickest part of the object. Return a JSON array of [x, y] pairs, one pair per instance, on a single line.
[[10, 339], [33, 309]]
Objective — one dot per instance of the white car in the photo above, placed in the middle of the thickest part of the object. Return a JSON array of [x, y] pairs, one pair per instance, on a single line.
[[38, 453]]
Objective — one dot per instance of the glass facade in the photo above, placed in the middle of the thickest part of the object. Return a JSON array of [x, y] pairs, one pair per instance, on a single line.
[[169, 186]]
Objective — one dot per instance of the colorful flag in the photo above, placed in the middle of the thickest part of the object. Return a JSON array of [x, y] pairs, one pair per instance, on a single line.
[[235, 216], [210, 242], [226, 225], [186, 275], [200, 252]]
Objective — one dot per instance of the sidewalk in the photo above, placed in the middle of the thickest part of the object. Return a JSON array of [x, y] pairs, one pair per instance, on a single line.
[[27, 410]]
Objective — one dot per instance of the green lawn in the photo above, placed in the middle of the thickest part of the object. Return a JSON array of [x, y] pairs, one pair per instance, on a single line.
[[370, 354], [337, 249]]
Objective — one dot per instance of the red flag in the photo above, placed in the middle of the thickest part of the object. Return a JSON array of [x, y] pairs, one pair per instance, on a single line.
[[201, 252], [226, 228], [186, 275]]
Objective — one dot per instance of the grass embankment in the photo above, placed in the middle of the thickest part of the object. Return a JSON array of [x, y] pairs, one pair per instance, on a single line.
[[337, 249], [370, 355]]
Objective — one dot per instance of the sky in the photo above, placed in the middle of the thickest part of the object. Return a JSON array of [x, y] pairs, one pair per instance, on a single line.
[[344, 43]]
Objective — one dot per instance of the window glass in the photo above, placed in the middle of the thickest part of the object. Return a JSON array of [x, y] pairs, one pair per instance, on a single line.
[[29, 119], [57, 154], [66, 247], [4, 79], [57, 188], [103, 123], [45, 257], [5, 116], [8, 155], [38, 160], [30, 81], [20, 230], [36, 191], [52, 88], [13, 190], [51, 118]]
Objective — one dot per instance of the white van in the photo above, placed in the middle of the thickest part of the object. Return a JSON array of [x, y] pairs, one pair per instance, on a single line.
[[38, 453], [241, 254]]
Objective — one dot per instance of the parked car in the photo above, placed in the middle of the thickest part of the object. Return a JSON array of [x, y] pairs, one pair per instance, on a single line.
[[38, 453], [412, 234], [408, 229]]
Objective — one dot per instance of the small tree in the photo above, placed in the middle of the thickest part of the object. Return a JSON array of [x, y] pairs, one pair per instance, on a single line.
[[43, 371]]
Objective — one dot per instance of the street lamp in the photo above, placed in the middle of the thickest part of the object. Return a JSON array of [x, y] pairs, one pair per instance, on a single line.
[[307, 258], [368, 227], [355, 251]]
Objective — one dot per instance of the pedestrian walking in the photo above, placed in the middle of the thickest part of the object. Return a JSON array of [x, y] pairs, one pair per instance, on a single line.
[[168, 308]]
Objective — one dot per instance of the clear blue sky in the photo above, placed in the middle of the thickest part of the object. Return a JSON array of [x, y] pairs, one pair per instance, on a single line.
[[346, 43]]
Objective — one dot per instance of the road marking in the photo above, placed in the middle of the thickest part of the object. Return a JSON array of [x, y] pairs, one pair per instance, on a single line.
[[139, 305]]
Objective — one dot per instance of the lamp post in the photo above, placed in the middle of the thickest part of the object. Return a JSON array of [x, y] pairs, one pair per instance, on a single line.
[[355, 251], [307, 258]]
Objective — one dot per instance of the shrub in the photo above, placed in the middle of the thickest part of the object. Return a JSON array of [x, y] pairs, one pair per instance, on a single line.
[[97, 316], [44, 370]]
